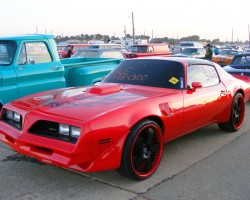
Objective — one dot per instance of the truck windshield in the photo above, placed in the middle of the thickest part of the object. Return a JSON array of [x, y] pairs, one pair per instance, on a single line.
[[7, 52]]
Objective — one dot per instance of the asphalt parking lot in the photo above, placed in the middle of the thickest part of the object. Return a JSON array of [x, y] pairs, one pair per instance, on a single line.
[[207, 164]]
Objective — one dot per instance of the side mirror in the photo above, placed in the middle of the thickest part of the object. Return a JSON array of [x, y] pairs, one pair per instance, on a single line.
[[32, 61], [196, 85]]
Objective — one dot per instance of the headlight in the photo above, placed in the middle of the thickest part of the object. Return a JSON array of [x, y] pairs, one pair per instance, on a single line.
[[13, 115], [17, 117], [75, 131], [68, 130], [64, 129], [9, 114], [12, 118]]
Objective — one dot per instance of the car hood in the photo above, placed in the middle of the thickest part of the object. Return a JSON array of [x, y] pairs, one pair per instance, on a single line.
[[86, 103]]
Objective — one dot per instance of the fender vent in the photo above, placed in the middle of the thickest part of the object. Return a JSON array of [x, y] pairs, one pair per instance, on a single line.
[[104, 141]]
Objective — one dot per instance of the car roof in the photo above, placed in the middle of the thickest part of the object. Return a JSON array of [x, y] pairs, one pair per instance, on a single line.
[[188, 60], [243, 54], [149, 44], [28, 37]]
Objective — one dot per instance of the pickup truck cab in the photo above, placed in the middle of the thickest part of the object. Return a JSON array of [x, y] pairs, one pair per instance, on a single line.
[[30, 64], [151, 49]]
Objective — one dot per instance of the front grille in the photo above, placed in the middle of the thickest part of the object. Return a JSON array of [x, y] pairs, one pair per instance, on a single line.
[[51, 130]]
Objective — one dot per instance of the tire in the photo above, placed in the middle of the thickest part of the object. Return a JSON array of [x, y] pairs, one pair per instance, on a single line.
[[237, 114], [142, 151]]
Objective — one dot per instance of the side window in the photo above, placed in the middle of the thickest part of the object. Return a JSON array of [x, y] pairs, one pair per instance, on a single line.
[[33, 53], [239, 60], [22, 60], [205, 74], [150, 49], [105, 54]]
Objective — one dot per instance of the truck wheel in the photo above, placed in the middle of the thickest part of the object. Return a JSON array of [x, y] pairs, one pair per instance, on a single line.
[[142, 151], [237, 114]]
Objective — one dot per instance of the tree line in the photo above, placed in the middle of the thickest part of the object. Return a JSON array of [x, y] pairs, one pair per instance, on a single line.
[[87, 37]]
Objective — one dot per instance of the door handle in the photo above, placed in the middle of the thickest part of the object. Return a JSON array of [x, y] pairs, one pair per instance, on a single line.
[[55, 68]]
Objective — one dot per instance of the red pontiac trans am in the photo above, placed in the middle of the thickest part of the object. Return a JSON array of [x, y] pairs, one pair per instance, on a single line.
[[123, 122]]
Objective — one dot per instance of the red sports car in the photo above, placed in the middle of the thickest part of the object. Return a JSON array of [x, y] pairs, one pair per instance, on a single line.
[[123, 122]]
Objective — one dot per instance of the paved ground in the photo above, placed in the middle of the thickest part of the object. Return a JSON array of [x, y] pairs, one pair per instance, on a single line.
[[206, 165]]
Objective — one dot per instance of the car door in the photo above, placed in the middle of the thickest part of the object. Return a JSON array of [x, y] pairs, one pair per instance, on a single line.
[[36, 70], [202, 105]]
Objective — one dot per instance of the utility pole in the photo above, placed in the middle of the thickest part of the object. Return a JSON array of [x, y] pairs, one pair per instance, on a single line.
[[133, 28], [248, 35], [152, 35], [232, 35], [125, 33]]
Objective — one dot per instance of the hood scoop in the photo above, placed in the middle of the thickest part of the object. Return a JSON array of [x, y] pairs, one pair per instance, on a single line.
[[104, 89]]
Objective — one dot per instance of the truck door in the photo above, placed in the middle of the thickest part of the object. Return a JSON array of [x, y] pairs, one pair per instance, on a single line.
[[36, 69]]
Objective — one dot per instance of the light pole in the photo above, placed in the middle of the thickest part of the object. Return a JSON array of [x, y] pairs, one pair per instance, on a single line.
[[133, 28], [248, 35], [125, 33]]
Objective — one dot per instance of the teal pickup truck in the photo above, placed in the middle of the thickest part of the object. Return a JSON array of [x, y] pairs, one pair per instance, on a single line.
[[30, 64]]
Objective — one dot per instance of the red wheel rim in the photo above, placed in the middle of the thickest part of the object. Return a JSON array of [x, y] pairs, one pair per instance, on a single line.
[[146, 151], [238, 112]]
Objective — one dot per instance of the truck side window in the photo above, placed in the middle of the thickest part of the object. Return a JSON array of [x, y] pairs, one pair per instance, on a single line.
[[34, 52], [22, 60]]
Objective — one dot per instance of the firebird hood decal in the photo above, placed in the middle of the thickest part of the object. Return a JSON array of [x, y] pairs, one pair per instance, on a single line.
[[85, 103]]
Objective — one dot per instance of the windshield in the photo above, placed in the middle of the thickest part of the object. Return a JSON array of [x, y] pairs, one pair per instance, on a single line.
[[84, 54], [187, 44], [147, 72], [189, 51], [241, 60], [228, 52], [7, 52], [139, 49]]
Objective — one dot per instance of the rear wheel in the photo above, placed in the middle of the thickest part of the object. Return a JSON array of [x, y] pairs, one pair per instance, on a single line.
[[237, 114], [142, 151]]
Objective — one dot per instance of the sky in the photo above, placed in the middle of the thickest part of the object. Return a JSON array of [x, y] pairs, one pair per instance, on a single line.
[[211, 19]]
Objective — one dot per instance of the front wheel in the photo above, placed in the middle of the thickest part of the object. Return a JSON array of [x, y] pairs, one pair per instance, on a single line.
[[237, 114], [142, 151]]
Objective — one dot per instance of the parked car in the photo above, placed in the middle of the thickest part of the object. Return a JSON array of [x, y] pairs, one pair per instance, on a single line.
[[193, 52], [225, 57], [151, 49], [75, 47], [186, 44], [240, 65], [175, 48], [99, 53], [123, 122]]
